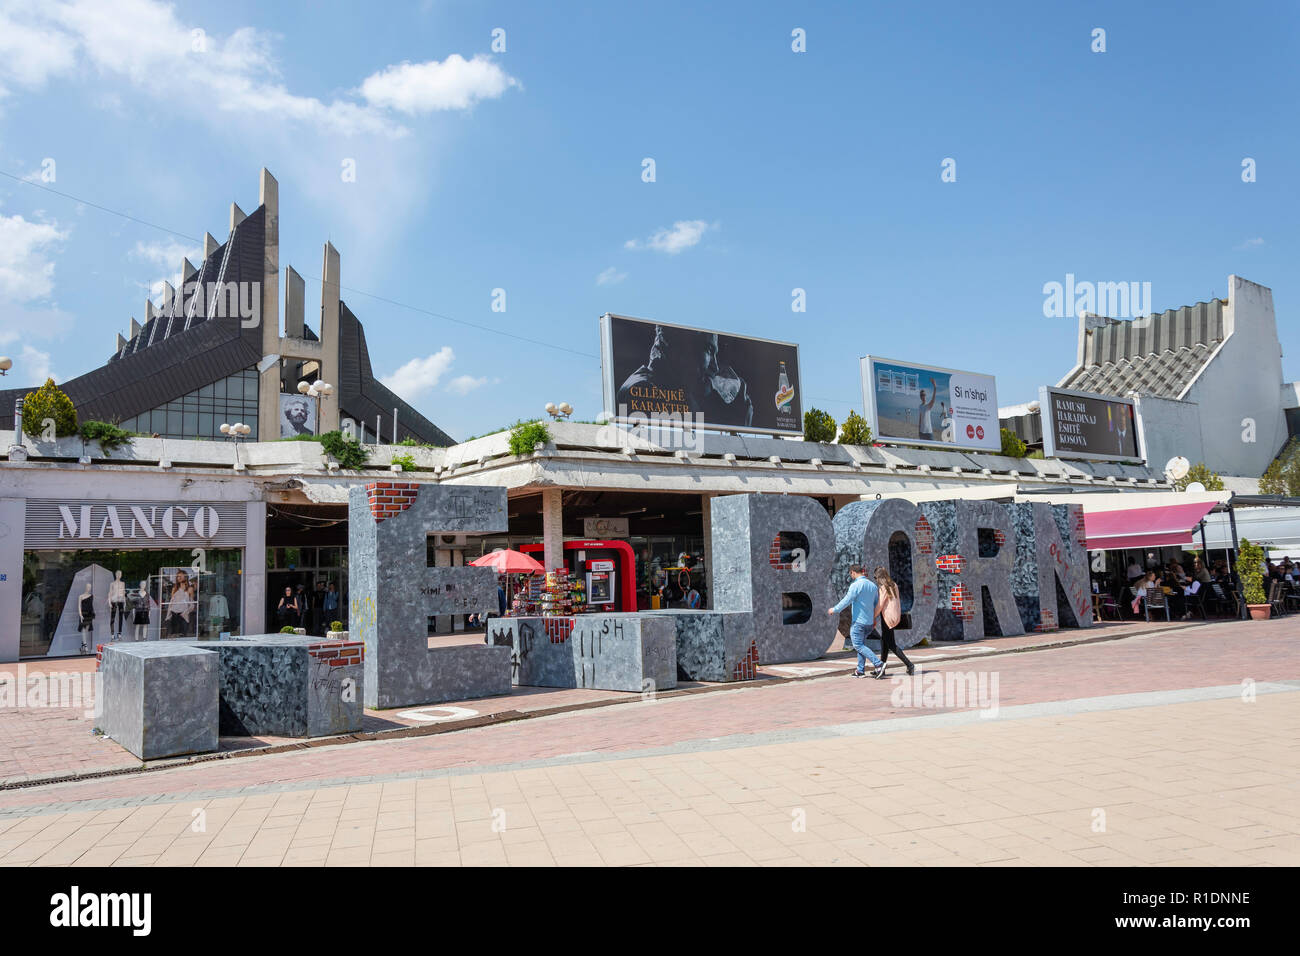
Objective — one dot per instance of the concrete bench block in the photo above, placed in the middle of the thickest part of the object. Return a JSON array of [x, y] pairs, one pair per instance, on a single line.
[[159, 698], [629, 652], [286, 685], [714, 645], [466, 671]]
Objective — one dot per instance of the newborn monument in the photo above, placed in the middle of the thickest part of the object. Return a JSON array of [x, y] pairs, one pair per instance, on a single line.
[[966, 570]]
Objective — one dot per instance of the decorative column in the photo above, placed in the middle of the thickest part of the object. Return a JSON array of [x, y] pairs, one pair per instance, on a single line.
[[553, 528]]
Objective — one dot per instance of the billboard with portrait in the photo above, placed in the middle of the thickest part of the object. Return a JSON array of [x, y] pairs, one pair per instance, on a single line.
[[926, 405], [1087, 426], [297, 415], [673, 373]]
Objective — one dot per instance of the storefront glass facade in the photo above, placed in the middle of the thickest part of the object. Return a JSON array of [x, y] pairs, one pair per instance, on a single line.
[[75, 599], [314, 569], [201, 413]]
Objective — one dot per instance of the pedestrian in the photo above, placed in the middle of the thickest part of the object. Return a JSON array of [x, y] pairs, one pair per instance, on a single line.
[[330, 605], [285, 610], [865, 598], [891, 612], [301, 604]]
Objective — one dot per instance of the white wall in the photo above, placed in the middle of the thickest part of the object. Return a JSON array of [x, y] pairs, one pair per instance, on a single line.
[[1242, 381], [1169, 428]]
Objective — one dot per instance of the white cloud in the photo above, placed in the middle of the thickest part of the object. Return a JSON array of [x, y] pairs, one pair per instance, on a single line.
[[1251, 244], [166, 253], [420, 375], [464, 384], [30, 53], [682, 235], [26, 272], [453, 84], [610, 276], [34, 365]]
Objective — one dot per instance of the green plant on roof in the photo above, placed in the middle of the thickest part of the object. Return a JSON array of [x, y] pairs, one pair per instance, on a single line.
[[1012, 446], [818, 426], [348, 453], [106, 434], [855, 430], [525, 437], [49, 401], [405, 462], [1200, 472]]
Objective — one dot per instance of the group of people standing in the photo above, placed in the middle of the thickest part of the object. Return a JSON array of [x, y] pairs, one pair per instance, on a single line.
[[876, 609], [312, 610]]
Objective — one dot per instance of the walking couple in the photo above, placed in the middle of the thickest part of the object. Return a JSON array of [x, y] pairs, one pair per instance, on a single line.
[[875, 603]]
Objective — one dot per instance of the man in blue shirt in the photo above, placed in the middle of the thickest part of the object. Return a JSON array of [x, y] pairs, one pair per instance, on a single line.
[[865, 598]]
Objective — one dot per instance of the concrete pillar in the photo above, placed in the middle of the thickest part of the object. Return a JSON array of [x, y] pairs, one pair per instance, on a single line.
[[209, 245], [120, 342], [268, 408], [13, 518], [706, 516], [553, 528], [169, 299], [331, 282], [135, 327], [237, 216], [294, 288], [148, 309], [254, 571]]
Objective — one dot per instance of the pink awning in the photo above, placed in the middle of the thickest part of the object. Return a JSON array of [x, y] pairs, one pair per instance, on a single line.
[[1165, 526]]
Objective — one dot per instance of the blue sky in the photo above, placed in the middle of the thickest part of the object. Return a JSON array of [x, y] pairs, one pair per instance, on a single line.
[[522, 170]]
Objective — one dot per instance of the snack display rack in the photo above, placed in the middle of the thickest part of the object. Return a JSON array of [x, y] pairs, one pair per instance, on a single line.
[[557, 594]]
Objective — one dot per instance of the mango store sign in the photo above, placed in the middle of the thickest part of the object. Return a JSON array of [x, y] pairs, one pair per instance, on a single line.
[[51, 523]]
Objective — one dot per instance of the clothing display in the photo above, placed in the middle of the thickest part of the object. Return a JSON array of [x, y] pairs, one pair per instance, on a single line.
[[116, 616], [140, 607], [86, 612]]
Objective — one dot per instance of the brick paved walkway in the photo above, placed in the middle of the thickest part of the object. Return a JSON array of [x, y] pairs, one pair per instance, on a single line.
[[49, 742], [1185, 770]]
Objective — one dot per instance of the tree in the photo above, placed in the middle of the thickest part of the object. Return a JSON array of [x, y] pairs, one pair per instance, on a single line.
[[1250, 568], [49, 401], [1283, 475], [1012, 446], [855, 430], [1200, 472], [818, 426]]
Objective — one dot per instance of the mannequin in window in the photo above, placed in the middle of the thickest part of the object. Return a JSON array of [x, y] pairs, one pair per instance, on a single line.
[[116, 606], [140, 611], [86, 616]]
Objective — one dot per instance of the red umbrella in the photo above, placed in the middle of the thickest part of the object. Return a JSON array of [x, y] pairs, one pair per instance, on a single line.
[[508, 562]]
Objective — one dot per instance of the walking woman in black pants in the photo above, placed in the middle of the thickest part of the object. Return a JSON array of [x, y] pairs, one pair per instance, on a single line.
[[890, 612]]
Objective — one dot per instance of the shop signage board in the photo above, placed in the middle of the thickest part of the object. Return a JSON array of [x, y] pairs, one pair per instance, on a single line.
[[53, 523], [675, 374], [909, 404], [1087, 426], [604, 528]]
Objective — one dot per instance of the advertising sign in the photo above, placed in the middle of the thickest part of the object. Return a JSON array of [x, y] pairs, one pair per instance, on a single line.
[[297, 415], [927, 405], [604, 528], [653, 371], [1082, 425]]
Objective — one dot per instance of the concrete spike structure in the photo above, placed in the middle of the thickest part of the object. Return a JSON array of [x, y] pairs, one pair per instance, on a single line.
[[237, 216], [121, 342], [169, 299], [135, 327], [294, 294], [149, 310], [268, 194], [188, 271], [210, 245], [331, 284]]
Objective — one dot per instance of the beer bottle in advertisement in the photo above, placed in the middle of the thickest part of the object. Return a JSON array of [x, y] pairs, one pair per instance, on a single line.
[[784, 393]]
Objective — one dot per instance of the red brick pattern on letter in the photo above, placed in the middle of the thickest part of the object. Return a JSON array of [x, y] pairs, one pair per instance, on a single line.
[[1047, 620], [952, 563], [747, 666], [999, 539], [924, 536], [557, 629], [99, 655], [338, 653], [774, 555], [387, 498], [963, 603]]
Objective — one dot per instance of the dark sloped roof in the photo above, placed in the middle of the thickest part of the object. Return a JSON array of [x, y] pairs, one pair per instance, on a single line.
[[166, 360], [363, 397]]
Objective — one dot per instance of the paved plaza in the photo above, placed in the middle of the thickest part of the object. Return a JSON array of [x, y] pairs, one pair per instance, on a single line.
[[1179, 746]]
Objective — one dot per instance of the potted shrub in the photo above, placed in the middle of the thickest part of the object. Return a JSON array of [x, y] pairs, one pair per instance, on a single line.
[[336, 631], [1250, 561]]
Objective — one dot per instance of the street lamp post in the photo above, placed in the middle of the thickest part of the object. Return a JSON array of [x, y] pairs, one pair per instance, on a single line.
[[317, 390]]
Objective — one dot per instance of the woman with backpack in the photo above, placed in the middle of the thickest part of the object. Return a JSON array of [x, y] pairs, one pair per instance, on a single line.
[[891, 613]]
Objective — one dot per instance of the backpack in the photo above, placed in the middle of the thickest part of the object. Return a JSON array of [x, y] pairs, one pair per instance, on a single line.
[[892, 613]]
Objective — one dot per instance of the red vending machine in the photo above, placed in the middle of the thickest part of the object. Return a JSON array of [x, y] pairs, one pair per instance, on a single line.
[[607, 568]]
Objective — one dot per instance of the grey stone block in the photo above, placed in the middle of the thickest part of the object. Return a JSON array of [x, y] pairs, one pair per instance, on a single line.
[[630, 651], [866, 533], [290, 686], [749, 577], [713, 645], [1051, 582], [160, 698], [393, 593]]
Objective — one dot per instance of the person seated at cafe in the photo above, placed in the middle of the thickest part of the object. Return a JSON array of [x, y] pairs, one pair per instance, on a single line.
[[1134, 571], [1199, 572]]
